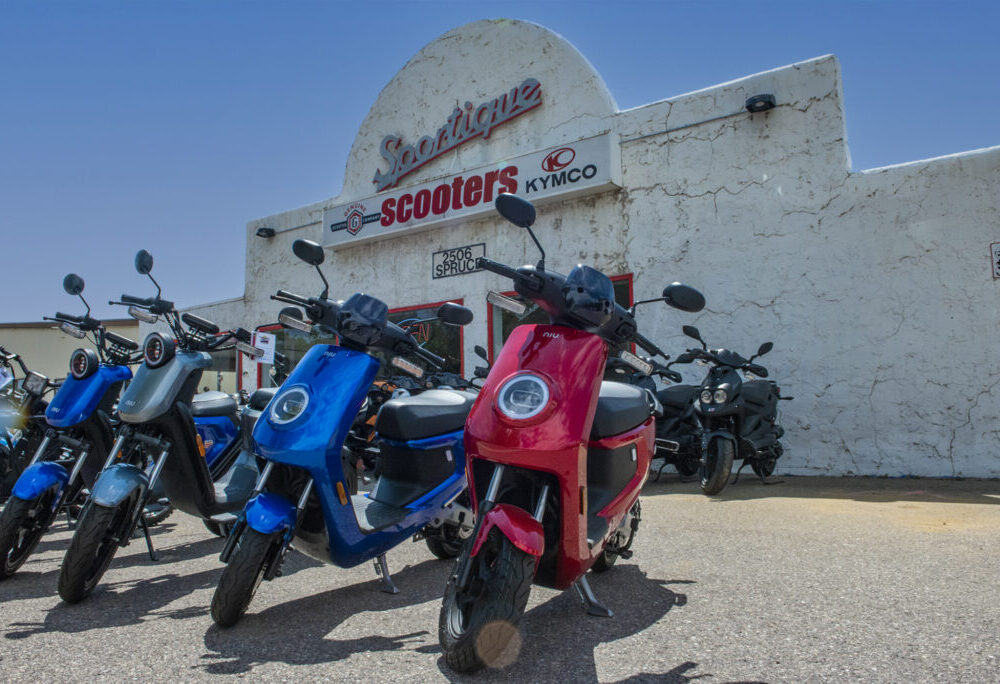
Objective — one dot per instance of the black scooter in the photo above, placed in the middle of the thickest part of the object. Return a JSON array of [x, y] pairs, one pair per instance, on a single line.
[[739, 417]]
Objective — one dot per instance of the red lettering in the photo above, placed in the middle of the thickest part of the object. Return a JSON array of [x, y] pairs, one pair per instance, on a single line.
[[441, 199], [456, 193], [422, 204], [491, 179], [403, 211], [508, 180], [388, 212], [473, 191]]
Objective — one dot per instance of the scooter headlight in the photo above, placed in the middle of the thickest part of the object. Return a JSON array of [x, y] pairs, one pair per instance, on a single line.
[[706, 396], [157, 350], [83, 363], [720, 396], [289, 405], [523, 396]]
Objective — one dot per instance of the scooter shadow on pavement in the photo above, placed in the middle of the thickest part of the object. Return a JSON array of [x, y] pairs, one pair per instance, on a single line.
[[297, 632], [559, 638]]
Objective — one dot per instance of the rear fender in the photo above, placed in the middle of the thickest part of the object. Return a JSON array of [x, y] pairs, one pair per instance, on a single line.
[[118, 483], [521, 529], [269, 513], [37, 478]]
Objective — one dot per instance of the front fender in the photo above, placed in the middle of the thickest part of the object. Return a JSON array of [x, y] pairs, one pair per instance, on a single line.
[[269, 513], [707, 437], [521, 529], [37, 478], [117, 483]]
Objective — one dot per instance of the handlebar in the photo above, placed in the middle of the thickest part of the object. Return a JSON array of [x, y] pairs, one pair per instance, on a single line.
[[141, 301], [508, 272], [290, 297], [69, 318]]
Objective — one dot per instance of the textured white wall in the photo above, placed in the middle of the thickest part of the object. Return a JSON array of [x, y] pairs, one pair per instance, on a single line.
[[874, 286]]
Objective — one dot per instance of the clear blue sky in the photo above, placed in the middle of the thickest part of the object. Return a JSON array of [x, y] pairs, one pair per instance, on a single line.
[[169, 125]]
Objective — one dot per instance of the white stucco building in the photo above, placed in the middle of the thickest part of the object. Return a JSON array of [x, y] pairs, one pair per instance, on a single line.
[[876, 286]]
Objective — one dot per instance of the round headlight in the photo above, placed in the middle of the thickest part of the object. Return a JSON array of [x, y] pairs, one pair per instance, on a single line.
[[157, 350], [720, 396], [83, 363], [523, 396], [289, 405], [706, 396]]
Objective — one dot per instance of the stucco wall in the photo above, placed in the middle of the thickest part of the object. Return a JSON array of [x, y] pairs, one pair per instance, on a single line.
[[874, 286]]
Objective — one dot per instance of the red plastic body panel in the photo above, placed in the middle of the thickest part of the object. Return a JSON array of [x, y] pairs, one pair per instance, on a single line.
[[556, 441], [523, 531]]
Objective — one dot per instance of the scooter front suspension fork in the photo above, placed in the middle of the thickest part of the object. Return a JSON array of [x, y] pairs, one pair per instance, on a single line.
[[42, 447]]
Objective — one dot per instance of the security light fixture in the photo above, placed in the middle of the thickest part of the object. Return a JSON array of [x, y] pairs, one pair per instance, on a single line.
[[265, 232], [760, 103]]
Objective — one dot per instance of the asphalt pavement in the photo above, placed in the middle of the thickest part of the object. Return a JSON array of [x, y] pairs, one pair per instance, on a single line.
[[806, 579]]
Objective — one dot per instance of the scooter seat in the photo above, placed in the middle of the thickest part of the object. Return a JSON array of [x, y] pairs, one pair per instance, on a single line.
[[213, 404], [430, 413], [262, 397], [677, 396], [620, 408]]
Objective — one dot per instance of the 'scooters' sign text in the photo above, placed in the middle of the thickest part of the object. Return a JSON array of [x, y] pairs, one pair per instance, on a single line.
[[583, 167]]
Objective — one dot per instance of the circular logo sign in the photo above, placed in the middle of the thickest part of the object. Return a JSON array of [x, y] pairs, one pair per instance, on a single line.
[[558, 159]]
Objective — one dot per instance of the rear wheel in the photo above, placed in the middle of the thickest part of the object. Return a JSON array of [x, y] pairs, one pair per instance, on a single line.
[[763, 467], [717, 466], [477, 625], [241, 577], [443, 545], [94, 544], [22, 524]]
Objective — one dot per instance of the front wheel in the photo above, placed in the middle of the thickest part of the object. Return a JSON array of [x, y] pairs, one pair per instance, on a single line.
[[241, 577], [92, 549], [717, 466], [22, 524], [476, 625]]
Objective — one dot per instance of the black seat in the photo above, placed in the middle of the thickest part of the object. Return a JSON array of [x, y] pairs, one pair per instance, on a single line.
[[213, 404], [430, 413], [677, 396], [262, 397], [620, 407]]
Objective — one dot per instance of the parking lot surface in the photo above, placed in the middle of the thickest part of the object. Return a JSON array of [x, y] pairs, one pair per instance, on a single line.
[[807, 579]]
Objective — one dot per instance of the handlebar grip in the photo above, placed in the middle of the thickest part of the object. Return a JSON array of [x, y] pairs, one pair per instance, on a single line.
[[292, 296], [648, 345], [142, 301], [430, 356], [498, 268], [68, 317]]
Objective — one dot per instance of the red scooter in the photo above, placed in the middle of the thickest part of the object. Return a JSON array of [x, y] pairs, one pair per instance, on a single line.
[[556, 457]]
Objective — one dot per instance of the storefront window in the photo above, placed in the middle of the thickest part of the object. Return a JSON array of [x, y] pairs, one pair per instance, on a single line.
[[443, 340], [293, 345], [502, 322], [222, 375]]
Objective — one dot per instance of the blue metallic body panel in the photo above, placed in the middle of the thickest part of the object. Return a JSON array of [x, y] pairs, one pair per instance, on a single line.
[[117, 483], [38, 477], [269, 513], [77, 400], [217, 433]]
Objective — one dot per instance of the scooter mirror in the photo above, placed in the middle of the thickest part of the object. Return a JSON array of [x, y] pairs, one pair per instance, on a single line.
[[764, 348], [454, 314], [309, 251], [686, 357], [683, 297], [143, 262], [73, 284], [481, 353], [692, 332], [518, 211]]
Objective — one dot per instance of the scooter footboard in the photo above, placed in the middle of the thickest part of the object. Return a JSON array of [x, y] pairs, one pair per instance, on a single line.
[[268, 513], [37, 478], [517, 525], [118, 483]]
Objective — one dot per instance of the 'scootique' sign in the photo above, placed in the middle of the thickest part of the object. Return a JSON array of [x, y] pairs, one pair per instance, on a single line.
[[583, 167]]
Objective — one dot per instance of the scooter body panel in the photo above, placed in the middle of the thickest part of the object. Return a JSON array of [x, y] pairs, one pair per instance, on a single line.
[[217, 433], [153, 391], [76, 400]]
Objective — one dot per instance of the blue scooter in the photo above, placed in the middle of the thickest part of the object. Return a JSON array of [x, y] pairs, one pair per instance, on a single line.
[[79, 426], [303, 493], [159, 413]]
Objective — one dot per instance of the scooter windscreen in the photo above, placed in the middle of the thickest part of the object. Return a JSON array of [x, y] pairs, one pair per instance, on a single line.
[[589, 295], [361, 319]]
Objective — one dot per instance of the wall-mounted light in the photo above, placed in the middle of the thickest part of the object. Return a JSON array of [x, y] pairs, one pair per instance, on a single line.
[[760, 103], [265, 232]]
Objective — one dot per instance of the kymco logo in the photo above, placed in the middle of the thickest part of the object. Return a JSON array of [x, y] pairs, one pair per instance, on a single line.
[[558, 159]]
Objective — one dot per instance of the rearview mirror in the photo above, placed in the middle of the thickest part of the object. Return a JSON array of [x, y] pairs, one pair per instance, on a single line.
[[765, 348], [309, 251], [481, 353], [73, 284], [143, 262], [683, 297], [692, 332], [518, 211], [454, 314]]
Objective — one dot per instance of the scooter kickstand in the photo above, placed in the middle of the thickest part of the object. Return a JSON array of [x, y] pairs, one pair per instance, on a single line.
[[382, 570], [590, 602], [153, 556]]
